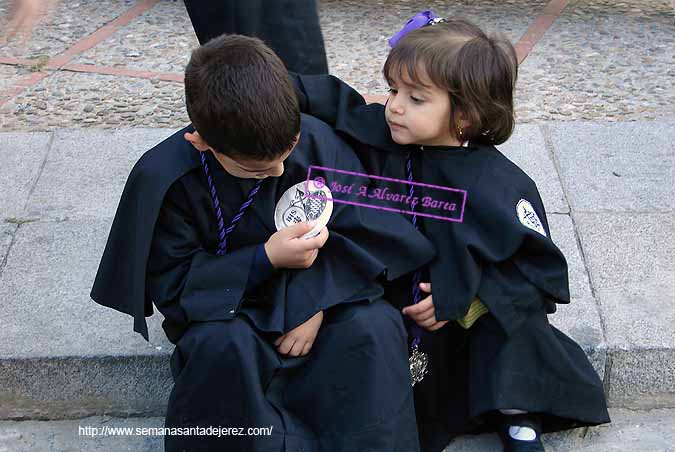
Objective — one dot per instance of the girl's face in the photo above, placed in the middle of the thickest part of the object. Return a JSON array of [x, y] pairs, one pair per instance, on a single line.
[[419, 113]]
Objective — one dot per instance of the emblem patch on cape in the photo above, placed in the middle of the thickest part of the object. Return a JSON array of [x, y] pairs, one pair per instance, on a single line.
[[528, 217], [297, 204]]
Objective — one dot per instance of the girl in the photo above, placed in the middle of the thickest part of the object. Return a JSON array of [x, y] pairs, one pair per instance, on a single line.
[[494, 361]]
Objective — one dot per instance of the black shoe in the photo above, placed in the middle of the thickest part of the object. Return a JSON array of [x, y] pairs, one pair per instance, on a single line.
[[520, 445]]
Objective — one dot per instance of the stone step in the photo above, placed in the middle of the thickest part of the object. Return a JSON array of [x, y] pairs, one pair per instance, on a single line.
[[62, 356], [639, 431]]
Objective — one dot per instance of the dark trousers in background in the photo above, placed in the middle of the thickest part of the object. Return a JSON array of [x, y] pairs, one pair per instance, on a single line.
[[290, 27]]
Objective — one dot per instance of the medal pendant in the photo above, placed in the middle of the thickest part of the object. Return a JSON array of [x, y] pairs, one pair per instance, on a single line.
[[418, 365], [304, 201]]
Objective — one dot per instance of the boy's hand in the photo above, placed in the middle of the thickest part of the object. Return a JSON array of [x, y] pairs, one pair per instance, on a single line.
[[298, 341], [286, 248], [423, 313]]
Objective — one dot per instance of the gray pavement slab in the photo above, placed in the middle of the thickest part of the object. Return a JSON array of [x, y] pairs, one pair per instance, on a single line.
[[86, 171], [581, 318], [639, 431], [45, 289], [23, 155], [62, 189], [617, 167], [527, 149], [7, 231], [644, 431], [73, 387], [631, 261], [60, 436], [82, 335], [61, 354]]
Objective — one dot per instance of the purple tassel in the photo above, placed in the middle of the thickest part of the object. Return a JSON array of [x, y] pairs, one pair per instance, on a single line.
[[223, 233], [416, 295], [418, 359]]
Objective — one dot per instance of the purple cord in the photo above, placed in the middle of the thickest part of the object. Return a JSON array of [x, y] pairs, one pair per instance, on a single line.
[[416, 330], [223, 233]]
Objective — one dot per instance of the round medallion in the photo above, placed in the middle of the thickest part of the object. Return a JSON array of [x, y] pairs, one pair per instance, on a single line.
[[304, 202]]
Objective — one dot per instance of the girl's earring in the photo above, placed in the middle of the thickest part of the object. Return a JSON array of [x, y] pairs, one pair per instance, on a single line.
[[460, 132]]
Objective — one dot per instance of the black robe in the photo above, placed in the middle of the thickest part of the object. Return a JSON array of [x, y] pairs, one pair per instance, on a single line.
[[352, 392], [290, 27], [364, 244], [512, 357], [490, 231]]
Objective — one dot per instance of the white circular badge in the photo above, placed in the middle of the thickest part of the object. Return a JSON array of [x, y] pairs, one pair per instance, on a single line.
[[297, 204], [528, 216]]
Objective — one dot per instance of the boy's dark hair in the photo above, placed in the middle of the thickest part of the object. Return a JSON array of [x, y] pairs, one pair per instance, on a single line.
[[240, 98], [478, 71]]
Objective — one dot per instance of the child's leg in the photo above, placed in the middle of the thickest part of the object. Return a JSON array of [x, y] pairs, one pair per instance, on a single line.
[[355, 390], [536, 379], [221, 373], [537, 369]]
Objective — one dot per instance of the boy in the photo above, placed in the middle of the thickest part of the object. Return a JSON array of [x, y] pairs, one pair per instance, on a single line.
[[194, 233]]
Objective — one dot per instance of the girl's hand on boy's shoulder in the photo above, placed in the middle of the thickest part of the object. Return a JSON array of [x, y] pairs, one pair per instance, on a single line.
[[299, 341], [424, 313]]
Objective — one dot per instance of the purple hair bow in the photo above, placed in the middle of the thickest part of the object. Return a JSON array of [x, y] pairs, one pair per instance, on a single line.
[[419, 20]]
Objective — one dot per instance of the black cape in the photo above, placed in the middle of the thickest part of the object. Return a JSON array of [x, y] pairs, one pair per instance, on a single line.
[[290, 27], [511, 357], [363, 245], [491, 254]]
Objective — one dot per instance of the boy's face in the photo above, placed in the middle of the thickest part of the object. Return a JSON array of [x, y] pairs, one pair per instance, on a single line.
[[419, 114], [245, 168]]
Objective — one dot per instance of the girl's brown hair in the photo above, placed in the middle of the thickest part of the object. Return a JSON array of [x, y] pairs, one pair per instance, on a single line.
[[478, 71]]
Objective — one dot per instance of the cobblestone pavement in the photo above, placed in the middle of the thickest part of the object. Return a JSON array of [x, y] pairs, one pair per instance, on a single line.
[[601, 60]]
